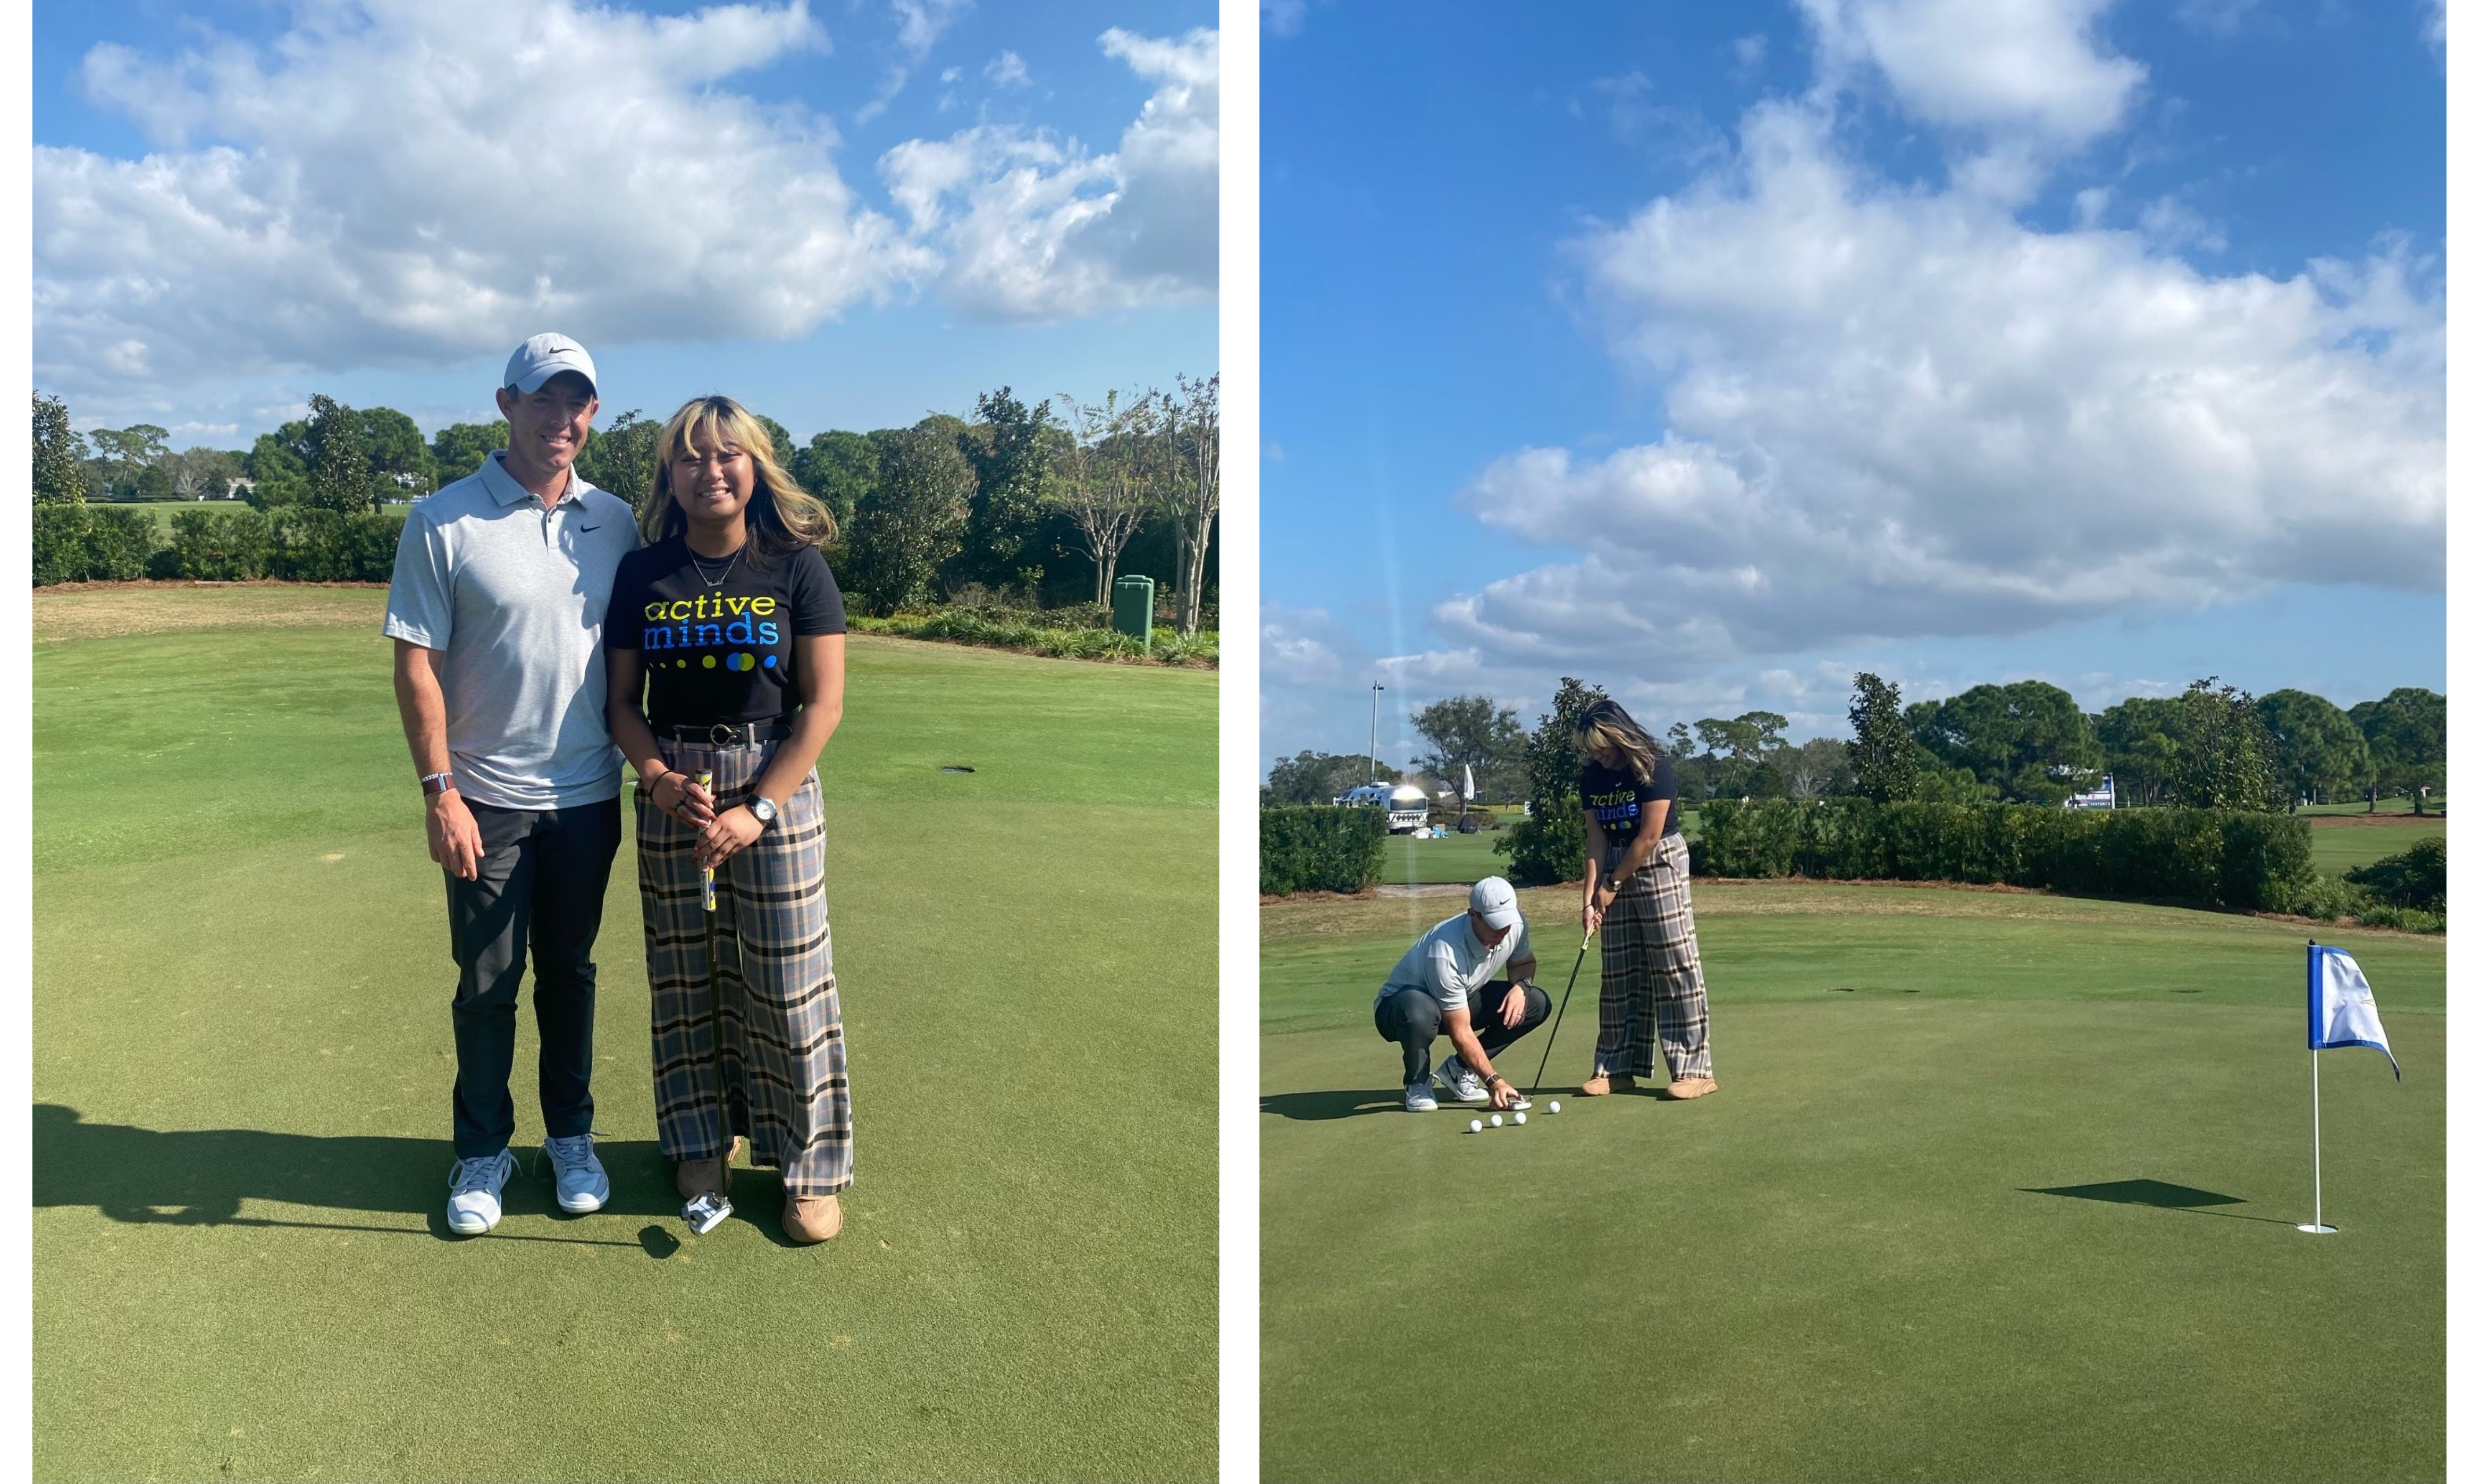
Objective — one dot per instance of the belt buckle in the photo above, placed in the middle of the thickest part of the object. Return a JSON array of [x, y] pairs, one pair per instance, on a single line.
[[720, 735]]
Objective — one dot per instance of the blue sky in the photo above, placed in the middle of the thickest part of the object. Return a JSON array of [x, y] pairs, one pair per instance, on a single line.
[[1716, 352], [847, 214]]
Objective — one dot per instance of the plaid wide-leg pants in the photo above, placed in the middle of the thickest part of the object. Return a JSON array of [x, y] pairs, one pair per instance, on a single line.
[[760, 969], [1653, 990]]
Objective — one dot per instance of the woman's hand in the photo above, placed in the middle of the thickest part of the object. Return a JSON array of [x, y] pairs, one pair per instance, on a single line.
[[726, 833], [685, 802]]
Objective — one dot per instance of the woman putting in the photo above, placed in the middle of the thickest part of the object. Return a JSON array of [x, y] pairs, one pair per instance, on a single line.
[[1636, 891], [727, 655]]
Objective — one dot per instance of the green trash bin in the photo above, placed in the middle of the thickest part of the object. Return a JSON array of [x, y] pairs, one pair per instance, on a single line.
[[1133, 610]]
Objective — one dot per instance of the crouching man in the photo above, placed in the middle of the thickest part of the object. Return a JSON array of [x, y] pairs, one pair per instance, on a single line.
[[1471, 977]]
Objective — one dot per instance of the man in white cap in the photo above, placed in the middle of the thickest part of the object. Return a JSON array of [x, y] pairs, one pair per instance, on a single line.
[[1471, 976], [497, 613]]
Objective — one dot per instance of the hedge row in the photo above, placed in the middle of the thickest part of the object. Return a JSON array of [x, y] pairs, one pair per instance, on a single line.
[[970, 626], [2253, 862], [102, 543], [1318, 847]]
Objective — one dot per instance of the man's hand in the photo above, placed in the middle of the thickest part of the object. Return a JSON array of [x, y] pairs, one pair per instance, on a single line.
[[456, 840], [1511, 1007], [1504, 1094]]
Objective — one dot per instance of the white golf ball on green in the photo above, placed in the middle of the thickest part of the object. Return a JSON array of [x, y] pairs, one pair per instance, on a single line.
[[1554, 1104], [1477, 1126], [1520, 1118], [1494, 1120]]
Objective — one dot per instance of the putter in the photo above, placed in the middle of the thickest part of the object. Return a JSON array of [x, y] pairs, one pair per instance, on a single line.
[[1554, 1038], [705, 1212]]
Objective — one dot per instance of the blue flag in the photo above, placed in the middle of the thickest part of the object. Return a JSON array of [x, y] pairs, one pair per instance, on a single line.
[[2341, 1011]]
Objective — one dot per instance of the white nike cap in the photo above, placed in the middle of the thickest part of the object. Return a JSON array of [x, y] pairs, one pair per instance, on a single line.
[[1495, 901], [544, 356]]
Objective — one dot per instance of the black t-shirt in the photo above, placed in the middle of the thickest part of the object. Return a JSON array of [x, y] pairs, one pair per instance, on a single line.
[[1617, 801], [720, 651]]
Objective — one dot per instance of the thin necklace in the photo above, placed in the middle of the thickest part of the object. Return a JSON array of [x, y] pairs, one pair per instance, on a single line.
[[715, 582]]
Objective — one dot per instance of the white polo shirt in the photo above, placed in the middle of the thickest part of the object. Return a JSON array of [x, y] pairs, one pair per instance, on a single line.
[[1449, 963], [512, 594]]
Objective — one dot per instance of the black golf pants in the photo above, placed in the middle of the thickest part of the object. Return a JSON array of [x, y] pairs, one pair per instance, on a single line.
[[541, 886], [1412, 1018]]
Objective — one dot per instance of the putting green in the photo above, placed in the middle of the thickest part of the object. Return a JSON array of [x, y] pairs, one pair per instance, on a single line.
[[241, 1062], [1997, 1186]]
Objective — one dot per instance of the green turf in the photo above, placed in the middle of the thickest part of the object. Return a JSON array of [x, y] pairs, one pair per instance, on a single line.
[[2436, 805], [242, 1061], [1997, 1186], [2335, 848]]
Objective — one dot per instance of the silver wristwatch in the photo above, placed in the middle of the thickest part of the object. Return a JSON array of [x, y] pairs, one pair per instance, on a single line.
[[761, 810]]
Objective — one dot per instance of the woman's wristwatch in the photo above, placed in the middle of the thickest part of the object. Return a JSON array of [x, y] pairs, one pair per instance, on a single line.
[[761, 809]]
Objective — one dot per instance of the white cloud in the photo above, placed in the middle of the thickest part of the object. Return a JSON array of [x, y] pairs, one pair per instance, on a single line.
[[919, 23], [2213, 17], [2433, 25], [421, 182], [1906, 414], [1284, 18], [2174, 224], [2024, 81], [1006, 70], [1036, 228], [411, 181]]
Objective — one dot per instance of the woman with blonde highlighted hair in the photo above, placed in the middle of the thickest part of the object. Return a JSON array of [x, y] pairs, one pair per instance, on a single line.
[[1636, 894], [725, 648]]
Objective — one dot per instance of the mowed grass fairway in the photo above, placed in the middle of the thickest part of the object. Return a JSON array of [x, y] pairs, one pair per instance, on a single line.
[[2337, 843], [243, 1059], [1996, 1185]]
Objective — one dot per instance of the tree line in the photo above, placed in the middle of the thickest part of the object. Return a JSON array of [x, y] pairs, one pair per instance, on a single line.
[[2211, 747], [1026, 505]]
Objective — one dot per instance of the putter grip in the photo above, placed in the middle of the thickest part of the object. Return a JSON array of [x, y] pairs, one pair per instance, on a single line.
[[706, 873]]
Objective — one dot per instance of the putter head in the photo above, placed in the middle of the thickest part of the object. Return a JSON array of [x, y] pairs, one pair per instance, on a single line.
[[1520, 1105], [705, 1214]]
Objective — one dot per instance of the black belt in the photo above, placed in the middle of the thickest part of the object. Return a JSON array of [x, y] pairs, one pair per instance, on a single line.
[[731, 733]]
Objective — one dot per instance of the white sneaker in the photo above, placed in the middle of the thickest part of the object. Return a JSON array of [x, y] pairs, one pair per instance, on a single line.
[[1461, 1083], [474, 1193], [576, 1174], [1418, 1099]]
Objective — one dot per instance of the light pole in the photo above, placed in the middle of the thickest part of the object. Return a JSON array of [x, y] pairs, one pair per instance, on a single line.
[[1374, 689]]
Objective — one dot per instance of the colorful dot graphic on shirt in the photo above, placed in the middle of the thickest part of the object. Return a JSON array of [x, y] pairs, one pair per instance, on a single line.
[[708, 661], [769, 662], [742, 661]]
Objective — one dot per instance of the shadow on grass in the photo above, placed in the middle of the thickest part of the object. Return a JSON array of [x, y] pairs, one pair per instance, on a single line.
[[2159, 1194], [1324, 1106], [200, 1178]]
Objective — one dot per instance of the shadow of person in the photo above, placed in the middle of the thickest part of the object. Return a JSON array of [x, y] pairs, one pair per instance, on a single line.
[[201, 1176], [1322, 1106]]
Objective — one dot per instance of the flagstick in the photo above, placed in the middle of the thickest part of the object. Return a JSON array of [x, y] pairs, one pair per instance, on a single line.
[[2316, 1225]]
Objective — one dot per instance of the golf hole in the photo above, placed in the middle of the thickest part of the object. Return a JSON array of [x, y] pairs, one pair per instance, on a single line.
[[954, 767]]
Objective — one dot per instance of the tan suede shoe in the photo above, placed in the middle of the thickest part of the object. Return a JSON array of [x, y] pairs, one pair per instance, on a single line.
[[1686, 1087], [695, 1178], [1603, 1084], [812, 1218]]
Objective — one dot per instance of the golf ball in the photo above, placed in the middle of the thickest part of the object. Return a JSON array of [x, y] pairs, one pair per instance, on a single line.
[[1554, 1104], [1494, 1120], [1520, 1118], [1477, 1126]]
